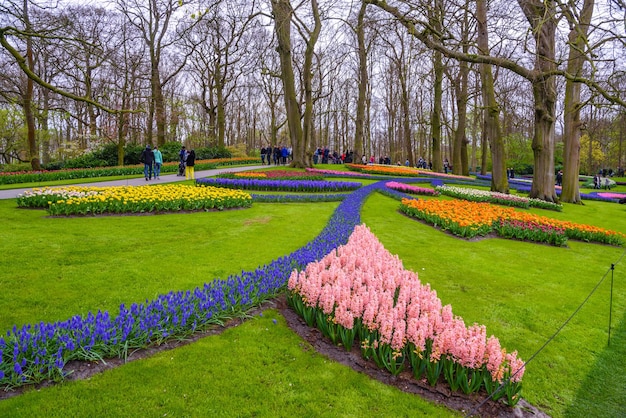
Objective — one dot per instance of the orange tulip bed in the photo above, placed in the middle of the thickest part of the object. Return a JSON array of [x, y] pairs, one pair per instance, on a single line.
[[470, 219]]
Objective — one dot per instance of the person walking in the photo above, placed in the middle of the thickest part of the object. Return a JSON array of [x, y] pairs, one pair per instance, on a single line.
[[189, 166], [147, 157], [182, 157], [158, 162]]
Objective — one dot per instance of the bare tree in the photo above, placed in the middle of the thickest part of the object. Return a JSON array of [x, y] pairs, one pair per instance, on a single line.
[[155, 20], [223, 52], [300, 122]]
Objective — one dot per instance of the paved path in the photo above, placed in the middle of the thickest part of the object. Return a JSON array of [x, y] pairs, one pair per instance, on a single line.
[[139, 181]]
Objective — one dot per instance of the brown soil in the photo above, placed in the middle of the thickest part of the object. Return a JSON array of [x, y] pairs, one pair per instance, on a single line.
[[468, 405]]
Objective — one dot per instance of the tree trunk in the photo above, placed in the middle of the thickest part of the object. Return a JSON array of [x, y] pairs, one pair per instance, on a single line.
[[572, 125], [493, 131], [221, 112], [541, 16], [406, 113], [44, 117], [282, 12], [363, 82], [33, 152], [159, 102], [459, 150], [304, 158], [121, 134], [438, 96]]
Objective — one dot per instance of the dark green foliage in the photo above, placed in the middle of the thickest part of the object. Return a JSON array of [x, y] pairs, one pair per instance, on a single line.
[[132, 154], [209, 153]]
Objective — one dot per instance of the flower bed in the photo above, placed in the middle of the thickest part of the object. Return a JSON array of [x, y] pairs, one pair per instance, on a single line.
[[407, 188], [77, 200], [398, 170], [609, 195], [280, 185], [338, 173], [297, 198], [476, 195], [273, 174], [80, 173], [469, 219], [390, 170], [361, 294]]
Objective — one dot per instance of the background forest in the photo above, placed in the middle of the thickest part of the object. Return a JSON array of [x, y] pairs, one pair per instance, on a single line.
[[533, 85]]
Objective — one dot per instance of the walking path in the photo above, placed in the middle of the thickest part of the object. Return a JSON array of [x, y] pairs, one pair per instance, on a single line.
[[138, 181]]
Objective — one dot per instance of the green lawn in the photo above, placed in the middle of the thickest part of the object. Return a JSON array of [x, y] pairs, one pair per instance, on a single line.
[[55, 268]]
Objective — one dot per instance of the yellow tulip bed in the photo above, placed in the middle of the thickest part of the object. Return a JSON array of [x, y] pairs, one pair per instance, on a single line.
[[80, 200]]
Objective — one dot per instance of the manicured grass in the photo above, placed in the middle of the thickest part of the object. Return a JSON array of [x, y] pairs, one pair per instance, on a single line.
[[522, 292], [60, 267]]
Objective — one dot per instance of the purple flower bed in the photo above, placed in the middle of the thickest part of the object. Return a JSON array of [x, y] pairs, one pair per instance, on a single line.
[[39, 352], [280, 185], [525, 188], [276, 198]]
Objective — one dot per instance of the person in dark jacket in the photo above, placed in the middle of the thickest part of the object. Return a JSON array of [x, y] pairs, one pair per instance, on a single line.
[[189, 165], [147, 157]]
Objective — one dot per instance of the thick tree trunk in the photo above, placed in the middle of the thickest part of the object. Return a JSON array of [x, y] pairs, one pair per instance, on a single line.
[[459, 150], [33, 152], [363, 83], [541, 16], [44, 124], [544, 93], [436, 116], [304, 156], [571, 129], [282, 12], [406, 114], [438, 69], [493, 131]]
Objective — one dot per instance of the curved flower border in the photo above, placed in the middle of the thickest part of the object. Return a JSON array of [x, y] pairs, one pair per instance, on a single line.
[[39, 352]]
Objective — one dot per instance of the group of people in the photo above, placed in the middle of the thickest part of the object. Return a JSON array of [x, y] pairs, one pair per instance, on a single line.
[[324, 156], [277, 155], [601, 182], [152, 160], [510, 173], [186, 163]]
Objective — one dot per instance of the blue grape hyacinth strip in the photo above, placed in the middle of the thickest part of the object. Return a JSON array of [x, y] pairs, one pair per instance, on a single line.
[[280, 185]]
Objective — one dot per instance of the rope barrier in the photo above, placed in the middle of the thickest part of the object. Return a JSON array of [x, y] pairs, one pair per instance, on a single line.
[[611, 269]]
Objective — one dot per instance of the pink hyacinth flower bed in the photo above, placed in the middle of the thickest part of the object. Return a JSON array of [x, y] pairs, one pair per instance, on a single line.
[[609, 195], [361, 293], [407, 188]]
